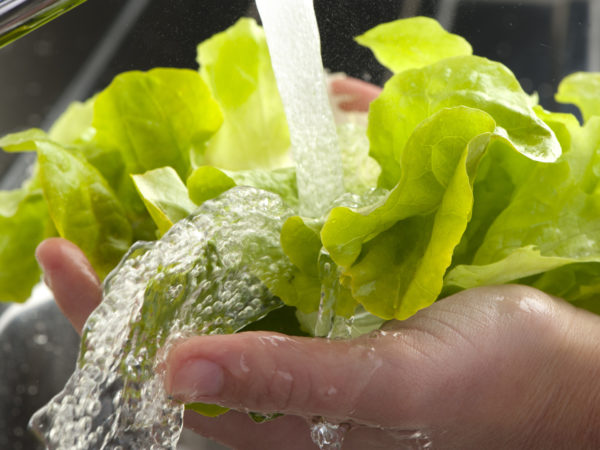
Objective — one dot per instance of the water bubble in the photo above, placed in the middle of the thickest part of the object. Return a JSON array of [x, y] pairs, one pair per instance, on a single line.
[[93, 407], [327, 435]]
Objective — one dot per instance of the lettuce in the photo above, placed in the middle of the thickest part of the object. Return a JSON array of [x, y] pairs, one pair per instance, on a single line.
[[237, 68], [412, 43], [581, 89], [459, 179], [165, 196], [24, 222]]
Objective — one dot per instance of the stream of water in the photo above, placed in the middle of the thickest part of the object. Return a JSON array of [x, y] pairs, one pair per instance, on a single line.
[[202, 277], [295, 48]]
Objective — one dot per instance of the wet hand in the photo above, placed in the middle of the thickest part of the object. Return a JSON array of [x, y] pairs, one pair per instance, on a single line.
[[497, 367]]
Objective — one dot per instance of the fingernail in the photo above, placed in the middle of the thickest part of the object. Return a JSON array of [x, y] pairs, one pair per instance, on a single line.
[[197, 379]]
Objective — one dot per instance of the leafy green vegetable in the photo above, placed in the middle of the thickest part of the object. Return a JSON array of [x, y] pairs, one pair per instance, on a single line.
[[552, 219], [237, 67], [410, 97], [399, 251], [156, 119], [412, 43], [165, 196], [24, 222], [83, 207], [206, 409], [74, 126], [581, 89], [207, 182]]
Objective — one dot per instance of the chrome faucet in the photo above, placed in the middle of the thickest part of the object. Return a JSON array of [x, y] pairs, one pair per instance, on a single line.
[[19, 17]]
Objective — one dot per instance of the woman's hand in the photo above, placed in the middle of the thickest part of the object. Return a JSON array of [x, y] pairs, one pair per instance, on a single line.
[[497, 367]]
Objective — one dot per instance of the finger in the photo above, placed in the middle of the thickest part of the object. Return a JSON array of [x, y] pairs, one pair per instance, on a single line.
[[236, 430], [268, 372], [69, 275], [357, 94]]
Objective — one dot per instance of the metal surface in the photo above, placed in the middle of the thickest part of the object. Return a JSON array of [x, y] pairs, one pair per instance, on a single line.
[[19, 17]]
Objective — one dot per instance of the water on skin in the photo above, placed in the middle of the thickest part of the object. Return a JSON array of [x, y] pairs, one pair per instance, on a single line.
[[202, 277]]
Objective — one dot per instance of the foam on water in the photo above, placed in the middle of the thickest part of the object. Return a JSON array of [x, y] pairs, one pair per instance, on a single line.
[[294, 45], [202, 277]]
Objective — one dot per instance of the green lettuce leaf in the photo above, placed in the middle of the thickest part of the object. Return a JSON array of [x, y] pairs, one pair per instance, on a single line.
[[549, 212], [501, 171], [158, 118], [577, 283], [412, 43], [411, 96], [237, 67], [400, 250], [431, 156], [74, 126], [165, 196], [551, 220], [520, 263], [302, 246], [24, 222], [83, 207], [74, 129], [583, 90], [207, 182]]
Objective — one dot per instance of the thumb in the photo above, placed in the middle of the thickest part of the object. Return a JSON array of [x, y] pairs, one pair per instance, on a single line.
[[268, 372]]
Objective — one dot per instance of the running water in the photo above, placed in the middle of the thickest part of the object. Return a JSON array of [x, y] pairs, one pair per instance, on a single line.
[[294, 45], [204, 276]]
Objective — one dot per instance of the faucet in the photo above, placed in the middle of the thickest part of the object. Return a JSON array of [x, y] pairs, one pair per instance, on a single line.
[[19, 17]]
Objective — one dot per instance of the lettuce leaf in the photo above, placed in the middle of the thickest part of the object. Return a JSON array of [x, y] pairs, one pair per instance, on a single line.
[[156, 119], [582, 89], [24, 222], [410, 97], [395, 254], [237, 67], [412, 43], [83, 207], [165, 196], [208, 182]]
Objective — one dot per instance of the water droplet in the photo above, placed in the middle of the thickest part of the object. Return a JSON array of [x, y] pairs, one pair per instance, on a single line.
[[32, 389], [327, 435]]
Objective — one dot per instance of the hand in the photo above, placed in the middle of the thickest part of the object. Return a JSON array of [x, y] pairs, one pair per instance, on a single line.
[[498, 367]]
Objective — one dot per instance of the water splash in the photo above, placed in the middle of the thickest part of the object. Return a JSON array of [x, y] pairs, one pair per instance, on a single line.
[[202, 277]]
